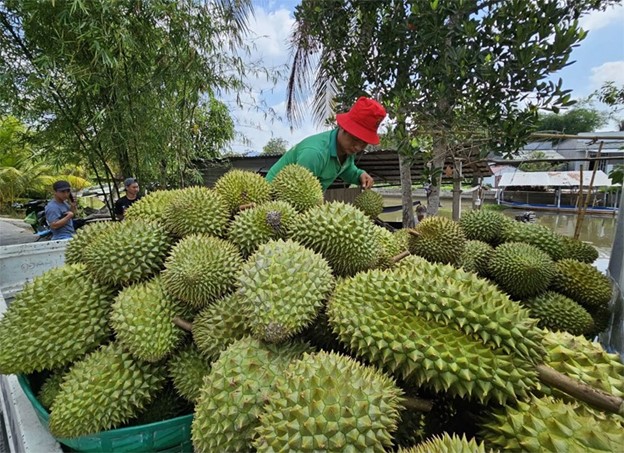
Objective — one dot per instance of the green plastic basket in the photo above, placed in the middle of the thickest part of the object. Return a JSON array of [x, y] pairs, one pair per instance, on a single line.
[[173, 435]]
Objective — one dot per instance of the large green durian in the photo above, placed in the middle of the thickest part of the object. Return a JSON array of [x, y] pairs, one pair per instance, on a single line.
[[106, 389], [151, 207], [258, 225], [602, 320], [484, 225], [234, 393], [438, 239], [76, 246], [329, 402], [476, 257], [219, 325], [342, 234], [521, 269], [127, 252], [582, 283], [54, 320], [283, 286], [539, 236], [370, 203], [201, 269], [167, 404], [441, 327], [142, 318], [557, 312], [584, 360], [187, 369], [297, 186], [447, 444], [239, 187], [579, 250], [548, 425], [196, 210]]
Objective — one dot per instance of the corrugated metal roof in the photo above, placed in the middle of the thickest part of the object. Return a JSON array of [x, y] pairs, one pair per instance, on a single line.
[[553, 179]]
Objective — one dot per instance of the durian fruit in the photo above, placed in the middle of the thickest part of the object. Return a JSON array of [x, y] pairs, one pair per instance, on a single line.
[[196, 210], [438, 239], [476, 257], [447, 444], [165, 406], [233, 394], [75, 248], [201, 269], [329, 402], [54, 320], [557, 312], [584, 360], [106, 389], [239, 187], [219, 325], [258, 225], [548, 425], [539, 236], [283, 286], [391, 245], [441, 327], [522, 270], [51, 387], [151, 207], [142, 318], [298, 186], [342, 234], [582, 283], [484, 225], [187, 369], [602, 319], [127, 252], [579, 250], [370, 203]]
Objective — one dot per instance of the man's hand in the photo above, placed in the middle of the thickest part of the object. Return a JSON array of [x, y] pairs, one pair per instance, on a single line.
[[366, 181], [69, 215]]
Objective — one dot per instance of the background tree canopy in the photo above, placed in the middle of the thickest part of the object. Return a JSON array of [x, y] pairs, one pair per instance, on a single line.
[[275, 146], [572, 121], [469, 74], [126, 87]]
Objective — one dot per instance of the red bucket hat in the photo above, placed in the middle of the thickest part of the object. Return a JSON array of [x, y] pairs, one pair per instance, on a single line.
[[363, 120]]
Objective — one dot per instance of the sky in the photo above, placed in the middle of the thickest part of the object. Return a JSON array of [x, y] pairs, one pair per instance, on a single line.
[[599, 58]]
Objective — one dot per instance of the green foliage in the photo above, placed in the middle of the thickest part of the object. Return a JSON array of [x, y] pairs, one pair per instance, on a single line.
[[617, 174], [275, 146], [126, 86], [571, 122], [538, 166]]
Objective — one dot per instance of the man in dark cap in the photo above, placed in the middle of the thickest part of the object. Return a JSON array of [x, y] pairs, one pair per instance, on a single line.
[[60, 211], [331, 154], [132, 195]]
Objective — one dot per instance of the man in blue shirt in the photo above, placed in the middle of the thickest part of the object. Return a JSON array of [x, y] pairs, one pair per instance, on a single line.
[[60, 213]]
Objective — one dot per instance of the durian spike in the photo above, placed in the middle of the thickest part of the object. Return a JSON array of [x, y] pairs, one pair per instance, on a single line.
[[581, 391], [182, 324], [247, 206], [399, 257]]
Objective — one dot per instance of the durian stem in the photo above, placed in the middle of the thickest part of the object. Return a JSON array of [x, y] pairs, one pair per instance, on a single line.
[[182, 324], [414, 233], [246, 206], [399, 257], [581, 391], [417, 404]]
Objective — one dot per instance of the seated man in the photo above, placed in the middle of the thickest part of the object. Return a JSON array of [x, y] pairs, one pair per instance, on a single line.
[[60, 211], [132, 195], [331, 154]]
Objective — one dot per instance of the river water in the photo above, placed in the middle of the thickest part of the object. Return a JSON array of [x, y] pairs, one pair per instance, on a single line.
[[597, 230]]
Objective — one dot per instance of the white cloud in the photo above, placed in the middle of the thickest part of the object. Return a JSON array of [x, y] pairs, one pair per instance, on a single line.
[[600, 19], [610, 71]]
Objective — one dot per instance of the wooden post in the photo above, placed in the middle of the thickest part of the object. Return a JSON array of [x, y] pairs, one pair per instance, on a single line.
[[457, 177], [585, 201]]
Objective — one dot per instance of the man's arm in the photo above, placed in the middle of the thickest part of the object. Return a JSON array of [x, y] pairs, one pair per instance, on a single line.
[[119, 211], [55, 217], [351, 174]]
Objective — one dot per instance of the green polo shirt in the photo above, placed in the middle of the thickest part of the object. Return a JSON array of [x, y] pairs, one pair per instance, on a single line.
[[318, 154]]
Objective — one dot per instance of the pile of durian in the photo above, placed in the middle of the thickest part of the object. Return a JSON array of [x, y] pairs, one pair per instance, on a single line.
[[289, 324]]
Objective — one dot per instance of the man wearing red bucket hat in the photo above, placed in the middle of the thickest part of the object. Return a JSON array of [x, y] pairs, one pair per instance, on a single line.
[[330, 154]]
